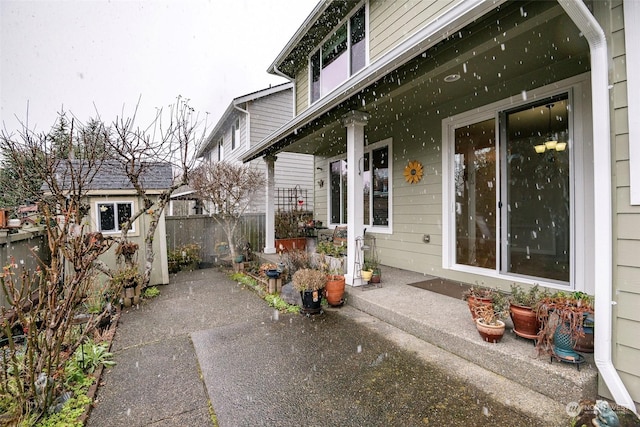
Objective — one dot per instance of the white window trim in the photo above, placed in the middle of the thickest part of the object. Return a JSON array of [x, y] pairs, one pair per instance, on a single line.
[[582, 253], [632, 38], [380, 229], [327, 37], [115, 203]]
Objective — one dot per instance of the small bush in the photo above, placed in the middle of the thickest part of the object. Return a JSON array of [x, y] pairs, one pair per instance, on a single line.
[[151, 292]]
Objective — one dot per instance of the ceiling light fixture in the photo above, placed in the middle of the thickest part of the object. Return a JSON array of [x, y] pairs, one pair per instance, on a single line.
[[452, 78]]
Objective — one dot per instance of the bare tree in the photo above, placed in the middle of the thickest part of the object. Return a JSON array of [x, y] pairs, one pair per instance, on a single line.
[[136, 150], [230, 187], [44, 303]]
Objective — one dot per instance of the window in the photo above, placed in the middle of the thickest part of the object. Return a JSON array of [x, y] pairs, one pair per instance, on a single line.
[[235, 133], [220, 146], [376, 191], [111, 216], [376, 187], [343, 54], [512, 193]]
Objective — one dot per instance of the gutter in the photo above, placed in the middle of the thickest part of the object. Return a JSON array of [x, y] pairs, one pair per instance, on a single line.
[[459, 15], [275, 70], [603, 233], [247, 124]]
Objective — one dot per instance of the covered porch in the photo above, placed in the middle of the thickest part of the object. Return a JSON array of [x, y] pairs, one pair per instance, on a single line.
[[483, 73], [445, 322]]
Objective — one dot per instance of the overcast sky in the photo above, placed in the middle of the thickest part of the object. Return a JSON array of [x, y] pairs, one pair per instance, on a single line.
[[90, 57]]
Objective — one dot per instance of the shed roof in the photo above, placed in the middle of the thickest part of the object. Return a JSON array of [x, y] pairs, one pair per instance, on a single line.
[[110, 175]]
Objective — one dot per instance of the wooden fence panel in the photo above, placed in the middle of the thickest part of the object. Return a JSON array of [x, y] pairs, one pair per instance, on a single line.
[[205, 231]]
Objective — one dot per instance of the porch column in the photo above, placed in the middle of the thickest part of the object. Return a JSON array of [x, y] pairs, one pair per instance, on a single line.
[[269, 194], [354, 121]]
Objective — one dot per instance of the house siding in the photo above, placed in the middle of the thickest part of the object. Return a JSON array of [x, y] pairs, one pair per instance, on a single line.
[[302, 90], [268, 114], [391, 22], [626, 275]]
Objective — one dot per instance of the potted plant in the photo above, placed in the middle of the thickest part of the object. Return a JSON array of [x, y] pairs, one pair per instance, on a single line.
[[127, 282], [562, 317], [478, 295], [521, 309], [310, 282], [289, 229], [334, 289], [372, 265], [490, 318], [367, 270]]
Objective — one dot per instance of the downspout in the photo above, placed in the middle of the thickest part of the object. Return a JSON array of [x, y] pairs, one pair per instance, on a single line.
[[603, 233], [247, 125], [292, 80]]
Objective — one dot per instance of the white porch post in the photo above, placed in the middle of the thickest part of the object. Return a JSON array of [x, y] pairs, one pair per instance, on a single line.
[[270, 241], [354, 121]]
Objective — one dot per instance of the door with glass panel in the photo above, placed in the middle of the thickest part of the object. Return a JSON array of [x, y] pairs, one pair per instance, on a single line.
[[513, 194]]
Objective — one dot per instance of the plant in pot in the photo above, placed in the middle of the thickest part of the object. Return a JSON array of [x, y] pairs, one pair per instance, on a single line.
[[334, 289], [490, 318], [126, 282], [478, 296], [310, 282], [521, 308], [372, 264], [562, 317]]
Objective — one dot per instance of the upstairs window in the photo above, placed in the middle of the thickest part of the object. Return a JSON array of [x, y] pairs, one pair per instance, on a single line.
[[343, 54], [235, 133], [220, 146]]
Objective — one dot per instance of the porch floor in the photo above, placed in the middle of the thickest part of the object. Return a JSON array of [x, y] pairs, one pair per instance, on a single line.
[[445, 322]]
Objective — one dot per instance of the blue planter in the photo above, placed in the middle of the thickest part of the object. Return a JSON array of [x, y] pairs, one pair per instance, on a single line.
[[563, 344], [273, 274]]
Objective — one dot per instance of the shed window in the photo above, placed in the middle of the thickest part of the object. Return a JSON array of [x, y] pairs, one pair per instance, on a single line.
[[112, 216]]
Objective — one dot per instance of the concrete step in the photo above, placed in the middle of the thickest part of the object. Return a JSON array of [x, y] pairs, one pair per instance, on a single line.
[[548, 411], [446, 323]]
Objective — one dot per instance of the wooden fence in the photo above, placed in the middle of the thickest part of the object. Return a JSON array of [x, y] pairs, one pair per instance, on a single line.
[[25, 249], [209, 235]]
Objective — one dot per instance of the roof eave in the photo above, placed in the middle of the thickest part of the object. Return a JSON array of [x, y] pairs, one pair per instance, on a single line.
[[438, 29], [299, 34], [232, 107]]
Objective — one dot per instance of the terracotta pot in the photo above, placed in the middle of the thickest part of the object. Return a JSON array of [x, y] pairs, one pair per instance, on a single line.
[[474, 301], [334, 290], [525, 321], [490, 333], [376, 277], [585, 344]]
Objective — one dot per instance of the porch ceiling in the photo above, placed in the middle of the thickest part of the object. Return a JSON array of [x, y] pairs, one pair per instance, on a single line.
[[517, 47]]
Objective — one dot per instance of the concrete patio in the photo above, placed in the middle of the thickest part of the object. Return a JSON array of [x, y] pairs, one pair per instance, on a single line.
[[445, 322]]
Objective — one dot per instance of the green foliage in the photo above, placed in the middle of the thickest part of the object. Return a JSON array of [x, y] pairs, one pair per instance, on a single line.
[[183, 256], [290, 224], [68, 415], [329, 248], [281, 305], [151, 292], [527, 298], [127, 277], [244, 279], [90, 355]]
